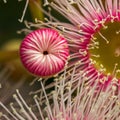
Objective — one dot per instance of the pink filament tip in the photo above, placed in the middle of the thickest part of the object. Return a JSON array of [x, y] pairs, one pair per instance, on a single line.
[[44, 52]]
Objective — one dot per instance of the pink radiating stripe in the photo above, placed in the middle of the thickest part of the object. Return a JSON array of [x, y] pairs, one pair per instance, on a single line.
[[44, 52]]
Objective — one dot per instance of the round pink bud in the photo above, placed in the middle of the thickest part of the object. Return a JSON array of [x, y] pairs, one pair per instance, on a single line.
[[44, 52]]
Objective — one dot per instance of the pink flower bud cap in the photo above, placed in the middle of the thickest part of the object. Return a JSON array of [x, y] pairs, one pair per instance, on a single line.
[[44, 52]]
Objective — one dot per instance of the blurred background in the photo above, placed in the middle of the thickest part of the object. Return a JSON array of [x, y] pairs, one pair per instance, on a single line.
[[10, 12], [12, 74]]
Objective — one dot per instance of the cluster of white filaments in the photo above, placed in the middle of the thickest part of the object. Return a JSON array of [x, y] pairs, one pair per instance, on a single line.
[[65, 102], [74, 96]]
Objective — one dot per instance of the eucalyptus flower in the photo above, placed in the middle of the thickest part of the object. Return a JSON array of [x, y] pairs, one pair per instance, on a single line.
[[91, 28]]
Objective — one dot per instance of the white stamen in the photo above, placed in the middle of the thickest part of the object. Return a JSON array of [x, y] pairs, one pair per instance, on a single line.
[[114, 70], [46, 3], [104, 38], [97, 56], [23, 14], [8, 111], [117, 32], [5, 1]]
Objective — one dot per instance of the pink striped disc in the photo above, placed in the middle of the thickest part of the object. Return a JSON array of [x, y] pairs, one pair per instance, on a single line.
[[44, 52]]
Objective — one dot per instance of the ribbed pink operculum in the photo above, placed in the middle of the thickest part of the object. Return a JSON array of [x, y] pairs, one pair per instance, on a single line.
[[44, 52]]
